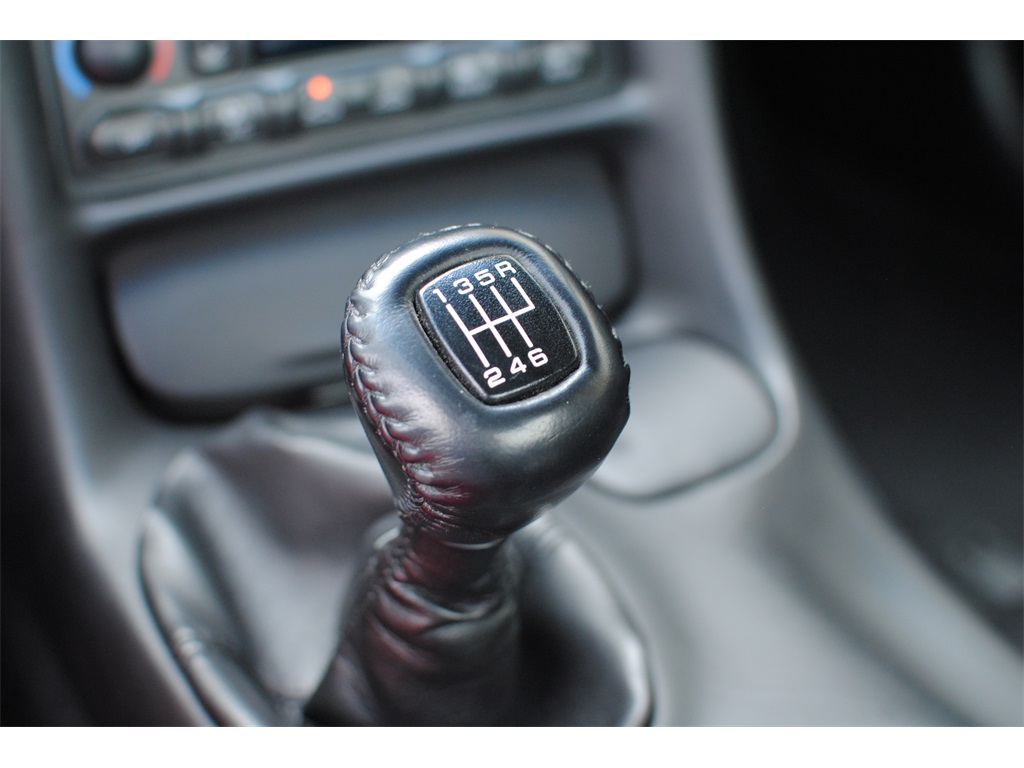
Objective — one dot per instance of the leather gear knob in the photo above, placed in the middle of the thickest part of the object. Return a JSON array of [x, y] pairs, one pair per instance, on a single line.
[[487, 379], [490, 386]]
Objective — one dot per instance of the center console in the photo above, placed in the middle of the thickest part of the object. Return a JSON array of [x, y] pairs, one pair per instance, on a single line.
[[177, 256]]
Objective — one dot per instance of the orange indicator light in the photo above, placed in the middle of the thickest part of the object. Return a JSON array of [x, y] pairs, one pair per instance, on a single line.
[[319, 87]]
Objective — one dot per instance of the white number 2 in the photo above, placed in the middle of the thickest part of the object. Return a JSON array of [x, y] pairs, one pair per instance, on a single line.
[[494, 377]]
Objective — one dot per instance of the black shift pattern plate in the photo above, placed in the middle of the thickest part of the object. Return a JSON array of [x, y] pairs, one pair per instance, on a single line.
[[498, 331]]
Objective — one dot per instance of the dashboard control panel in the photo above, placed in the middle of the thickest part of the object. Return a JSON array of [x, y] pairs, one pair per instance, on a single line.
[[126, 105]]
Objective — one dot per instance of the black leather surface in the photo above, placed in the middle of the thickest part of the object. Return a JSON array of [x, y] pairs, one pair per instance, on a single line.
[[251, 548], [247, 555]]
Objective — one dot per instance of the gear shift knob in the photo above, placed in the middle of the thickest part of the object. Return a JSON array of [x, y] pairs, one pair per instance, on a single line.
[[490, 386], [488, 380]]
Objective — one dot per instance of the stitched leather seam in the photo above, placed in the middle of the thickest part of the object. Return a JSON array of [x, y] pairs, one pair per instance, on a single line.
[[360, 374]]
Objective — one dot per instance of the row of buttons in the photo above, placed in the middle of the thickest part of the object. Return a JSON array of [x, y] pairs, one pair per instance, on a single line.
[[428, 76]]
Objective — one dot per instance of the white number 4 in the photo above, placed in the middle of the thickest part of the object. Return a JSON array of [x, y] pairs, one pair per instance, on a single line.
[[535, 356]]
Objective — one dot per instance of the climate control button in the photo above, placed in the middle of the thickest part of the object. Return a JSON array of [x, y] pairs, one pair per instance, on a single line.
[[133, 134], [113, 61]]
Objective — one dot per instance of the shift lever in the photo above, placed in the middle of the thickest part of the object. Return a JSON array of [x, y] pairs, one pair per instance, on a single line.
[[490, 386]]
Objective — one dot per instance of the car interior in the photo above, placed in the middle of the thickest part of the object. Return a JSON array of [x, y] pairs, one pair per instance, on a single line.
[[258, 469]]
